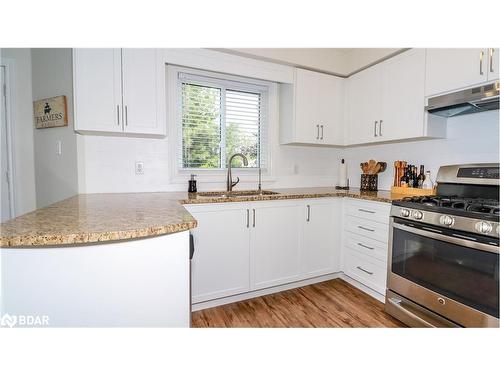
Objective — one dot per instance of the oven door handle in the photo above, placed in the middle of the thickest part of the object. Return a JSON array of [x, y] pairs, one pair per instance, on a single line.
[[457, 241], [397, 304]]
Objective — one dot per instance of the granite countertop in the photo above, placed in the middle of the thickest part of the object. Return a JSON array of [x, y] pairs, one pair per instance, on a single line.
[[95, 218]]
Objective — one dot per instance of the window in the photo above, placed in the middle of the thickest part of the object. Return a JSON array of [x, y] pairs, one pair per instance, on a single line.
[[221, 117]]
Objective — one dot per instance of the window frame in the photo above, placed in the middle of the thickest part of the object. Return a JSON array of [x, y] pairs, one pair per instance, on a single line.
[[269, 101]]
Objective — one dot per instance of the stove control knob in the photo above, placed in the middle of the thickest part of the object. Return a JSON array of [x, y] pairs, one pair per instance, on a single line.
[[405, 212], [418, 215], [446, 220], [483, 227]]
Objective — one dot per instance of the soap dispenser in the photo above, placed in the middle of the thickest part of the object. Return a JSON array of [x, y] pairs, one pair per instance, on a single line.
[[192, 184]]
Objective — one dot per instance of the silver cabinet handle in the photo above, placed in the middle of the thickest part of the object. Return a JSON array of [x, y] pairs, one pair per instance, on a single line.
[[317, 134], [321, 131], [375, 129], [362, 269], [367, 211], [481, 55], [380, 128], [364, 228], [491, 59], [366, 247], [253, 217], [126, 115], [248, 218], [118, 113], [308, 213]]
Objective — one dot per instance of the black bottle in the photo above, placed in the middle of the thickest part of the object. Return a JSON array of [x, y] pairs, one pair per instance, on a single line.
[[410, 176], [421, 177], [192, 184]]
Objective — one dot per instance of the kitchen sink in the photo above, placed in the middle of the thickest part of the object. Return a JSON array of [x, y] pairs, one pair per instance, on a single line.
[[240, 193]]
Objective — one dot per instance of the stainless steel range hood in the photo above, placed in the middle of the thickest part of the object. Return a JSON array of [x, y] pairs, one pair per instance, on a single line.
[[477, 99]]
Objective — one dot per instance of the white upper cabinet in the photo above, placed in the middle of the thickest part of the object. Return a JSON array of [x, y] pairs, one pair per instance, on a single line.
[[403, 102], [97, 89], [450, 69], [119, 91], [364, 104], [143, 87], [387, 102], [311, 109]]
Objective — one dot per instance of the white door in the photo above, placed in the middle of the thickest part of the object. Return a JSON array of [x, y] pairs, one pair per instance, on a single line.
[[97, 89], [493, 64], [449, 69], [275, 244], [143, 84], [306, 107], [320, 249], [403, 96], [331, 108], [364, 105], [220, 265], [6, 204]]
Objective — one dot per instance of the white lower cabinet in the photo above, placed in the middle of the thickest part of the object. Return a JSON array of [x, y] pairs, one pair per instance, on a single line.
[[220, 263], [275, 243], [243, 247], [365, 242], [320, 248], [250, 246]]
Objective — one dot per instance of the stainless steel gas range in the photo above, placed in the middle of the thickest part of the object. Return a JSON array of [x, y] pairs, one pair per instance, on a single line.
[[444, 252]]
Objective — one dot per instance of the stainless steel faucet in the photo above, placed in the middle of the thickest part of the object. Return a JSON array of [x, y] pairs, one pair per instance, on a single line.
[[230, 183]]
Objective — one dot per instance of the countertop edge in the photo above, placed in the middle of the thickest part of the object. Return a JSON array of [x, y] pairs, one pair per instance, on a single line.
[[30, 241]]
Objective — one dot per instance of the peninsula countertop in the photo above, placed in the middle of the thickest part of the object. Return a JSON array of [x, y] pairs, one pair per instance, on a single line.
[[97, 218]]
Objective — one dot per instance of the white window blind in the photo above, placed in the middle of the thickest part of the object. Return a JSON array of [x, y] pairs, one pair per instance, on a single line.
[[220, 118]]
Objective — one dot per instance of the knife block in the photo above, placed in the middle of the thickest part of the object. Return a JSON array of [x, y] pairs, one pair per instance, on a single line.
[[369, 182]]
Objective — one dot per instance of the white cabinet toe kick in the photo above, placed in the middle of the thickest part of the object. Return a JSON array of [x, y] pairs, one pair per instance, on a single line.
[[249, 249]]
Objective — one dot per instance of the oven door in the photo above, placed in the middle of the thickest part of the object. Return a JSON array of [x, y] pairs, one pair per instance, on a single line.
[[455, 275]]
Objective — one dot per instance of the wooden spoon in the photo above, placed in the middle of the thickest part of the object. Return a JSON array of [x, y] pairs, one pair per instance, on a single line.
[[371, 166]]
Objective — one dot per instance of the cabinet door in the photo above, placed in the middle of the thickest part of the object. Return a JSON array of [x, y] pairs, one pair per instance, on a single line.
[[331, 108], [220, 265], [320, 249], [143, 91], [97, 89], [403, 96], [306, 107], [364, 105], [493, 64], [275, 243], [449, 69]]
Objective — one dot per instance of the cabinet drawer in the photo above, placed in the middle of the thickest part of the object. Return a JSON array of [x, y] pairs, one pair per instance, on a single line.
[[367, 246], [378, 212], [368, 228], [367, 271]]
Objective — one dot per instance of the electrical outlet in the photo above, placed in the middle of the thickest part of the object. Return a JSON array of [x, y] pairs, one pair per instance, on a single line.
[[139, 167]]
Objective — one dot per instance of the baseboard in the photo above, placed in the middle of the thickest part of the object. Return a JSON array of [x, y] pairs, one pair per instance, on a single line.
[[262, 292], [363, 287]]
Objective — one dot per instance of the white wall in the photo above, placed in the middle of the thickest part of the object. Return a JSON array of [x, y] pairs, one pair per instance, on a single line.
[[56, 175], [22, 126], [110, 166], [470, 139]]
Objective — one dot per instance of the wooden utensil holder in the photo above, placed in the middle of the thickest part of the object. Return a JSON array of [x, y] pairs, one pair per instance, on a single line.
[[369, 182]]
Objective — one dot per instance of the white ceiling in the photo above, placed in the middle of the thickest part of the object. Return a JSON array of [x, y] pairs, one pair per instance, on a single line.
[[339, 61]]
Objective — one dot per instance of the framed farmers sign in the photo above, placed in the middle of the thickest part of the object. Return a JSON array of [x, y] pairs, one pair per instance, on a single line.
[[51, 112]]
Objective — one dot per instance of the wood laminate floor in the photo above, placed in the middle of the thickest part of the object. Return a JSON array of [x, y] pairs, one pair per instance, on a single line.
[[333, 303]]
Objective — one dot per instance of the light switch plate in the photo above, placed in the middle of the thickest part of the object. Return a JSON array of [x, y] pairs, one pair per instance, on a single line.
[[139, 167]]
